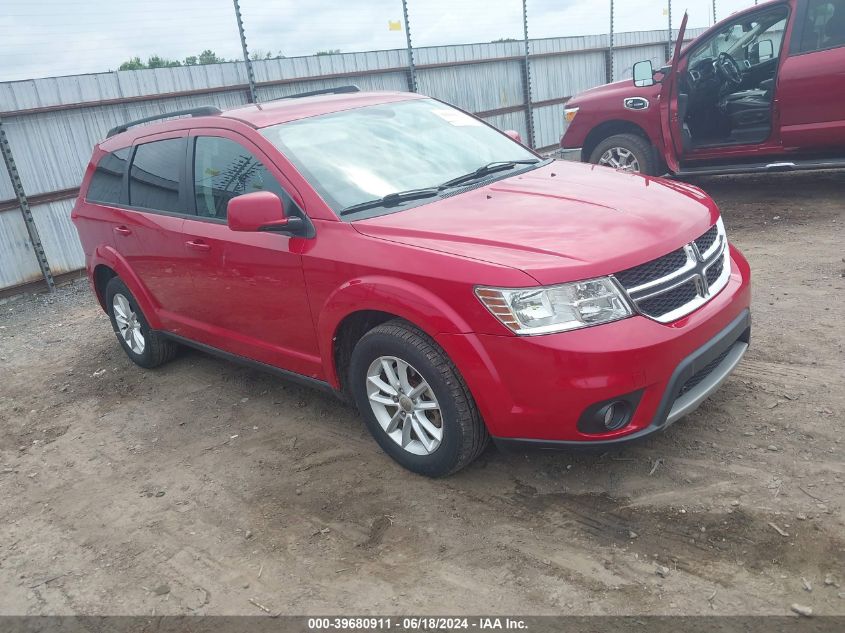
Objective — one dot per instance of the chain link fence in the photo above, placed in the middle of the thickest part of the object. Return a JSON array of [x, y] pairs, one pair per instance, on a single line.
[[514, 64]]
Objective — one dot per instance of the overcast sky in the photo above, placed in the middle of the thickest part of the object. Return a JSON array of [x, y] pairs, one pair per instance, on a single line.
[[40, 38]]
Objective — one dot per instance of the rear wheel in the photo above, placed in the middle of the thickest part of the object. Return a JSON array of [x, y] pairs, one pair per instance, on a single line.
[[414, 401], [142, 345], [627, 152]]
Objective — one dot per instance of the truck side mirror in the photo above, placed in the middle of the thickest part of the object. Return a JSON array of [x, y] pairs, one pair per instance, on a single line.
[[643, 74], [765, 49]]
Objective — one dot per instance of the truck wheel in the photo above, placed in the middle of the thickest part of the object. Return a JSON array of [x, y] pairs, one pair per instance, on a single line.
[[142, 345], [628, 152], [414, 401]]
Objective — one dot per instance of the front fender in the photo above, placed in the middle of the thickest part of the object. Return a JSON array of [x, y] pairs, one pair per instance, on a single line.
[[107, 256], [405, 299]]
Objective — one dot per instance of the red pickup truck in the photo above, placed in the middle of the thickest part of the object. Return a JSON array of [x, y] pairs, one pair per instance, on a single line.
[[762, 90]]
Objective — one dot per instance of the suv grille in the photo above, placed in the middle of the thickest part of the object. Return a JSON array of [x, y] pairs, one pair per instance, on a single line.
[[680, 282]]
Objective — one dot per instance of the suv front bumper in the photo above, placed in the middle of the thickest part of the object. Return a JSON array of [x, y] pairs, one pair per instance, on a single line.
[[535, 389]]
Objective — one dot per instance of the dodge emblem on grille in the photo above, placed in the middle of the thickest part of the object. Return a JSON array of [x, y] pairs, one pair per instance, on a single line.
[[698, 271]]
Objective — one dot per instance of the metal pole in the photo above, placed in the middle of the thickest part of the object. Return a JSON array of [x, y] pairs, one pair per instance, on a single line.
[[611, 70], [714, 11], [670, 28], [412, 70], [23, 203], [253, 98], [526, 79]]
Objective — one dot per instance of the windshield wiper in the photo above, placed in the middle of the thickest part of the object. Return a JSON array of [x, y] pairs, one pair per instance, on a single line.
[[392, 199], [489, 168]]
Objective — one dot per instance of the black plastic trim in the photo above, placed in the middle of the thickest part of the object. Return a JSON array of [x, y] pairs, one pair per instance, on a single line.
[[325, 91], [738, 330], [306, 381], [200, 111]]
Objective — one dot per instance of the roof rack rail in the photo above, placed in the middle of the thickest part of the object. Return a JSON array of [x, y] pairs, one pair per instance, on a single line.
[[337, 90], [200, 111]]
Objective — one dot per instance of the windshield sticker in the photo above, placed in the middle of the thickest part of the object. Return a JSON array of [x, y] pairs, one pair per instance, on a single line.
[[456, 117]]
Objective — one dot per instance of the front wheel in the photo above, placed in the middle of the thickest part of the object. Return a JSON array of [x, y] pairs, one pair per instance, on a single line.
[[627, 152], [414, 401]]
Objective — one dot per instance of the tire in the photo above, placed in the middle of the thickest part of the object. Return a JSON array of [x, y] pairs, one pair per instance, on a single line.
[[463, 435], [639, 148], [152, 349]]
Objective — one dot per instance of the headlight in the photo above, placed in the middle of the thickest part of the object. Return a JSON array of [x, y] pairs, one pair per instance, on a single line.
[[569, 114], [560, 308]]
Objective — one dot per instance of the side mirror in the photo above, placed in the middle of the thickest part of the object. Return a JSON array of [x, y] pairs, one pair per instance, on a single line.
[[514, 135], [643, 74], [765, 50], [260, 211]]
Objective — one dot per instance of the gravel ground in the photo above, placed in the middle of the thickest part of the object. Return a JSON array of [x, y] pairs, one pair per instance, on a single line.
[[204, 487]]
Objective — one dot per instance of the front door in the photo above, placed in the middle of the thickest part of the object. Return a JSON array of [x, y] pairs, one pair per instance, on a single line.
[[811, 85], [255, 300], [670, 121]]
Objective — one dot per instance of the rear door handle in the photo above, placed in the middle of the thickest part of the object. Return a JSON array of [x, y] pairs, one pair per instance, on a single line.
[[198, 245], [122, 230]]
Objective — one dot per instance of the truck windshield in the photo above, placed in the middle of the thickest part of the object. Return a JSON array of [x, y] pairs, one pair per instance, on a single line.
[[366, 154]]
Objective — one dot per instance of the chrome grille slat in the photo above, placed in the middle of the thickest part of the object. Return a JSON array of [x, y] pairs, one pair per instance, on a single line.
[[669, 287]]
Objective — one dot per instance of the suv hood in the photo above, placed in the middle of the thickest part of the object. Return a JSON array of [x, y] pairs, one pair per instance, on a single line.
[[561, 222]]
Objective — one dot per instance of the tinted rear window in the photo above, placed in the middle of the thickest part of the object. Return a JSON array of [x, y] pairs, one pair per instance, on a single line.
[[155, 173], [107, 182]]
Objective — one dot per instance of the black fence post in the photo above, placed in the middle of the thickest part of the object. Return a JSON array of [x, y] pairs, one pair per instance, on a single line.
[[526, 79]]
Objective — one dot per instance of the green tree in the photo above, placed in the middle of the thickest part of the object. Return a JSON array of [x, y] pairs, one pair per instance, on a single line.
[[190, 60], [210, 57], [156, 61], [331, 51], [134, 63]]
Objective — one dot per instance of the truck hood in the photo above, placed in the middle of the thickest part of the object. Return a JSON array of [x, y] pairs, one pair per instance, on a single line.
[[614, 92], [561, 222]]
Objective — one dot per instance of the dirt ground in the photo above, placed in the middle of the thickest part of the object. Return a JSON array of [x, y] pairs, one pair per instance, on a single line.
[[204, 487]]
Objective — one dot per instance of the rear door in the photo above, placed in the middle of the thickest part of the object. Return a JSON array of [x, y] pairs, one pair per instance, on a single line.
[[251, 285], [148, 233], [670, 120], [811, 81]]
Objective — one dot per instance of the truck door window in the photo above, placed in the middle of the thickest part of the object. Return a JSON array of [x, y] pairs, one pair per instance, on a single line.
[[824, 26]]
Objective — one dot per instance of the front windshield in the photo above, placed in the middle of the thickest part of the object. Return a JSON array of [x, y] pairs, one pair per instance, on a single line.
[[363, 154]]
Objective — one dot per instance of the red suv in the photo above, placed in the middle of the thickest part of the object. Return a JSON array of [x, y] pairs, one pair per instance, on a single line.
[[404, 254], [763, 90]]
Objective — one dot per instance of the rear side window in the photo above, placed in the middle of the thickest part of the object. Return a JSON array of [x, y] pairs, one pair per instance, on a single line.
[[824, 26], [155, 174], [107, 182], [224, 169]]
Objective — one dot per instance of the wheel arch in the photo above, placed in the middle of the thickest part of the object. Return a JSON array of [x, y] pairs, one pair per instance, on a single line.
[[360, 305], [107, 263]]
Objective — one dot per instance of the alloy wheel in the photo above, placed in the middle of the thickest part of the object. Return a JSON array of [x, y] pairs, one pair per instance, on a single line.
[[128, 324], [620, 158], [404, 405]]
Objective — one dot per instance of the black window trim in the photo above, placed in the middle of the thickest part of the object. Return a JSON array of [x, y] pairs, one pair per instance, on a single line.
[[798, 28]]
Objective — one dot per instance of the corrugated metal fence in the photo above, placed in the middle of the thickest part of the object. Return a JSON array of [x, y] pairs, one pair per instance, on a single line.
[[53, 123]]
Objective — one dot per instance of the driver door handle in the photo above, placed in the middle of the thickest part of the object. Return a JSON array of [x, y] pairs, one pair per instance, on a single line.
[[198, 245]]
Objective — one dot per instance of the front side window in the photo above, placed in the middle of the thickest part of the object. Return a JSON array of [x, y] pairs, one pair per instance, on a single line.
[[154, 176], [824, 26], [754, 39], [107, 182], [224, 169], [364, 154]]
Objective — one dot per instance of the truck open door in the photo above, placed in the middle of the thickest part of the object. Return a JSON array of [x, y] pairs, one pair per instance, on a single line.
[[670, 120]]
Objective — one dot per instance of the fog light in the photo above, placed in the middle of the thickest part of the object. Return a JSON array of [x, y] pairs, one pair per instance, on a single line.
[[609, 415], [614, 415]]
